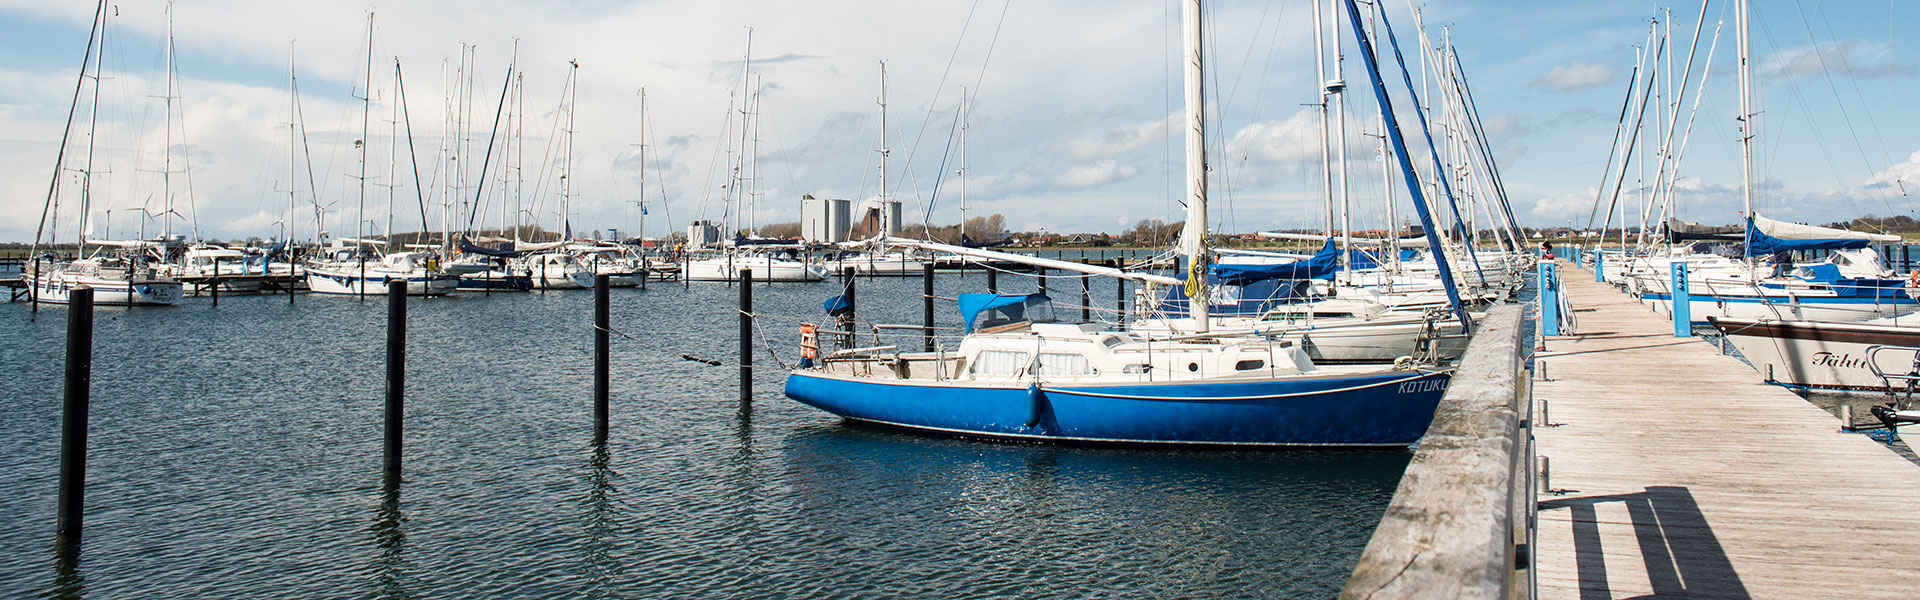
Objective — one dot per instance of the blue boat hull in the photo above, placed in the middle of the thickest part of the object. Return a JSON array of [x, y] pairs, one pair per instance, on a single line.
[[1389, 409]]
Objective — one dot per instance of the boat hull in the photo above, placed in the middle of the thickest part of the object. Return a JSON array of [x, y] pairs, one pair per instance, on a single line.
[[1829, 356], [56, 288], [324, 281], [1380, 409]]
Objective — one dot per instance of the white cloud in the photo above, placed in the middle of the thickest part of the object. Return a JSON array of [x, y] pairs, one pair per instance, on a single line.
[[1577, 76]]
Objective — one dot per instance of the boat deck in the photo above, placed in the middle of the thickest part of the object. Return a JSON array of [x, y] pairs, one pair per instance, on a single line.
[[1676, 472]]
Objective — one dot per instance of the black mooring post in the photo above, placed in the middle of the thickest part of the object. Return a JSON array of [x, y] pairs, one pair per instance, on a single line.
[[1041, 281], [1086, 300], [216, 283], [645, 272], [602, 323], [73, 427], [1906, 256], [396, 368], [746, 336], [360, 290], [1120, 298], [926, 304], [33, 289], [993, 279], [847, 288]]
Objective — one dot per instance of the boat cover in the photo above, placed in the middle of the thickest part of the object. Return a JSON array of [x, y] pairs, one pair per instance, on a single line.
[[1321, 265], [1004, 308], [1766, 236]]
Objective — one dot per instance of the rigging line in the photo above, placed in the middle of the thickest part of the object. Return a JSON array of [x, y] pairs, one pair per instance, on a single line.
[[1820, 141], [951, 57], [401, 86], [665, 205], [1872, 124], [1841, 104], [60, 156]]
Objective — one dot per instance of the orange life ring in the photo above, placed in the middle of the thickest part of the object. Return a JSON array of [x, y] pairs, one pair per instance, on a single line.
[[809, 340]]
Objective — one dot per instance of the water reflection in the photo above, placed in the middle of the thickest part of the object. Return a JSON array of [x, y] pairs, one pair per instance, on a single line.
[[602, 567], [390, 539], [68, 582]]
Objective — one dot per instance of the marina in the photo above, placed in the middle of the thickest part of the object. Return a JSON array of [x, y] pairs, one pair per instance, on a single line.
[[1269, 309]]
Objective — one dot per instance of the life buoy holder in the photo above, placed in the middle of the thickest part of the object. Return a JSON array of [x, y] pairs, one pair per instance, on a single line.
[[809, 341]]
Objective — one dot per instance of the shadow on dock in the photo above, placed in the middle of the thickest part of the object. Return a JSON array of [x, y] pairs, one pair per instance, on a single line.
[[1677, 544]]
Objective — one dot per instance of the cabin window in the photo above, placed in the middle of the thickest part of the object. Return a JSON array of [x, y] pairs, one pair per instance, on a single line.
[[1250, 365], [1112, 340], [1136, 369], [1061, 364], [999, 363]]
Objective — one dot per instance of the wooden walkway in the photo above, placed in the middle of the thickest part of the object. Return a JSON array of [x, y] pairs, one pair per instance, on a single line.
[[1676, 473]]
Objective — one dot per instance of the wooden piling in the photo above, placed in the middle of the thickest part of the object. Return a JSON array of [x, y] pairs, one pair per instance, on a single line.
[[602, 323], [746, 334], [216, 283], [73, 426], [396, 369]]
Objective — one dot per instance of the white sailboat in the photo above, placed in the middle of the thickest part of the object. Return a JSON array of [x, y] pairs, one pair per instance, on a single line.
[[120, 273]]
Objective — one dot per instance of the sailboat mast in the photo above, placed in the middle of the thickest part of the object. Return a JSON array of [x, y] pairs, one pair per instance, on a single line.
[[885, 214], [566, 165], [1193, 240], [643, 164], [166, 161], [293, 141], [393, 154], [1326, 137], [746, 81], [963, 160], [366, 108], [1746, 109], [1339, 87]]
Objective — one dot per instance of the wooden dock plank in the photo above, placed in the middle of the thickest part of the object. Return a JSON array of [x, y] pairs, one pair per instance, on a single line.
[[1680, 474]]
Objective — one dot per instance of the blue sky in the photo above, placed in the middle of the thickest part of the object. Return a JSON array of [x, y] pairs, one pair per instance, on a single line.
[[1069, 129]]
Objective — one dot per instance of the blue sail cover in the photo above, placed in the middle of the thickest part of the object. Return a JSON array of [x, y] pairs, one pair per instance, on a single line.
[[1761, 244], [1321, 265], [1011, 307]]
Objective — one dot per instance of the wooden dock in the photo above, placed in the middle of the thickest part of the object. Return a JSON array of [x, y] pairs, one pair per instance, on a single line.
[[1676, 473]]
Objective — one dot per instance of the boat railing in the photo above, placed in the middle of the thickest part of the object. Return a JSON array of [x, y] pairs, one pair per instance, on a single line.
[[1900, 387], [1462, 522]]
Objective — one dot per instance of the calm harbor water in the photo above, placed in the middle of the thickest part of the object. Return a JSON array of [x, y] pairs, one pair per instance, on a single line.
[[236, 454]]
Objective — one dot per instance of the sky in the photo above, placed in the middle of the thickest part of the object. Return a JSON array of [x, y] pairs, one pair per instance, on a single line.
[[1074, 117]]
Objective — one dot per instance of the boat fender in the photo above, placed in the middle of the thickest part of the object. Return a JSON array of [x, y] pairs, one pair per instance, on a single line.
[[1036, 402], [1913, 278]]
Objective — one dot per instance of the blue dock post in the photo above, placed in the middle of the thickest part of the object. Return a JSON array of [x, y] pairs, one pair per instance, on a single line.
[[1682, 303], [1599, 268], [1549, 300]]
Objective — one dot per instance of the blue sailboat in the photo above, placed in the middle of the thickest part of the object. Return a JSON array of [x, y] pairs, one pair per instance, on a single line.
[[1022, 374]]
